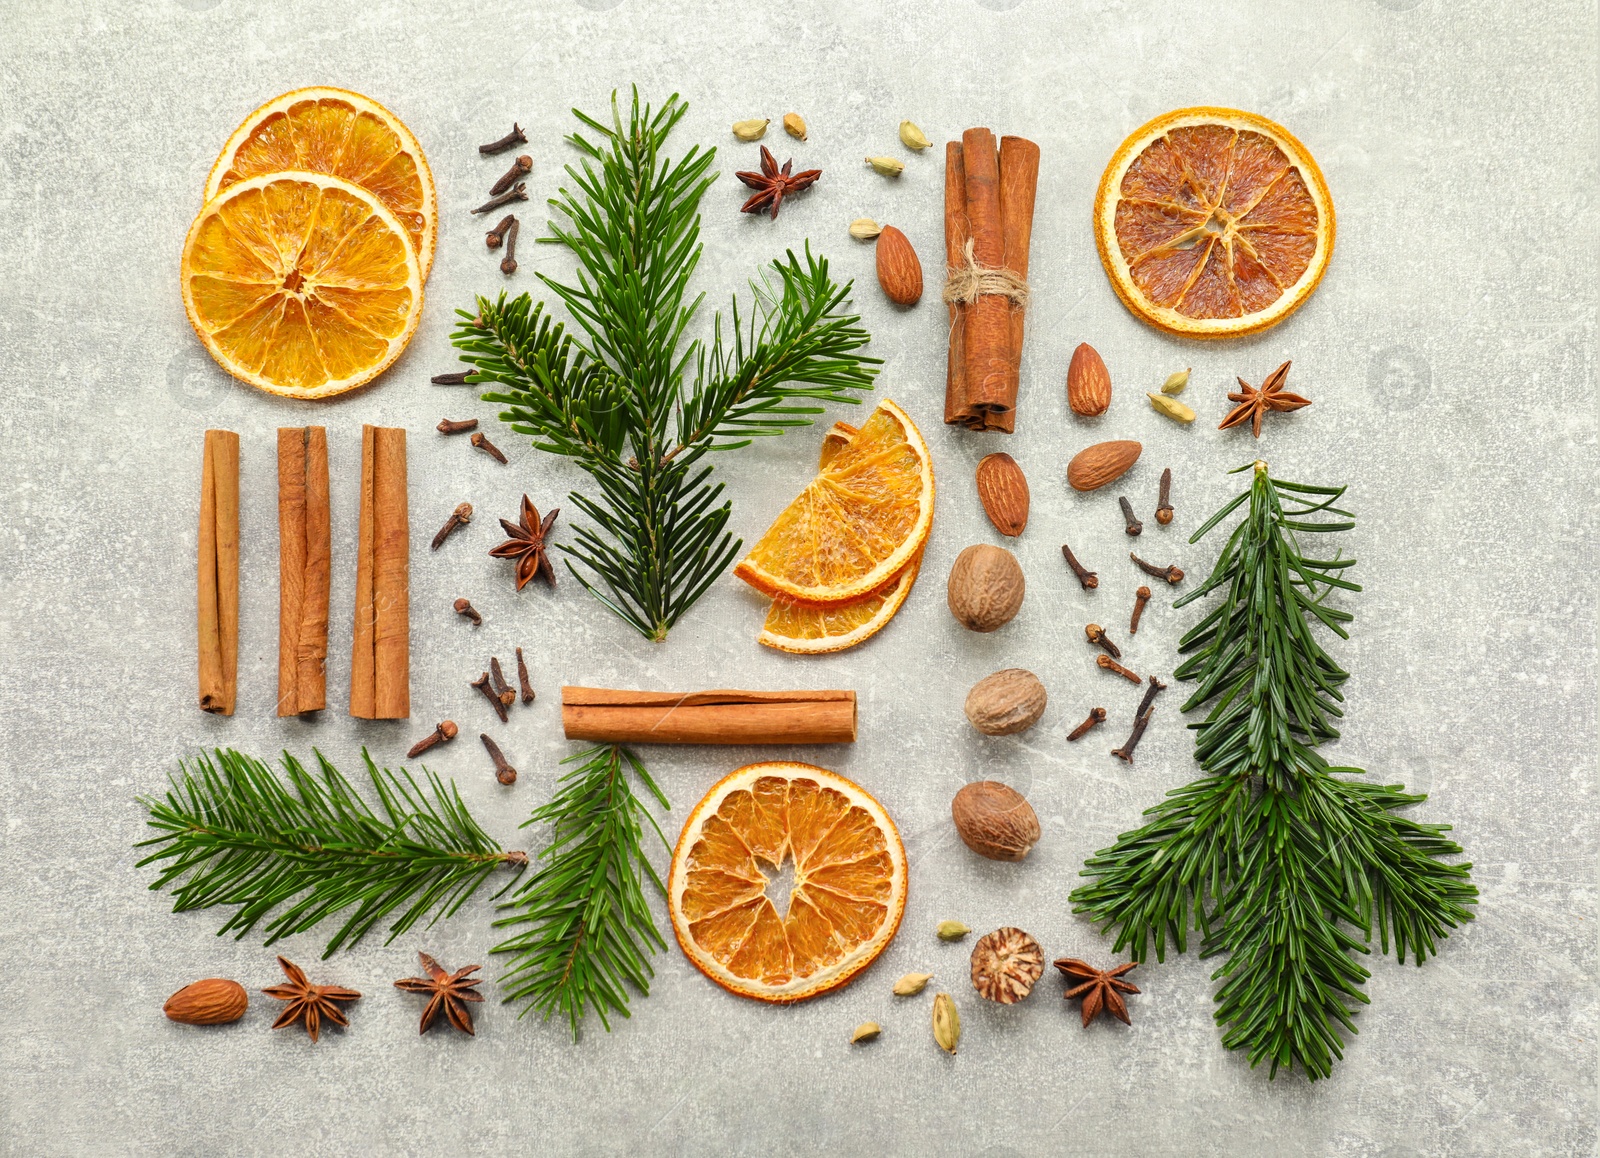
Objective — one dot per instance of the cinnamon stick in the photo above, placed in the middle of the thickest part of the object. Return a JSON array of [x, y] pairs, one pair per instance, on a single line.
[[303, 567], [713, 717], [219, 572], [955, 244], [987, 321], [1019, 182], [380, 661]]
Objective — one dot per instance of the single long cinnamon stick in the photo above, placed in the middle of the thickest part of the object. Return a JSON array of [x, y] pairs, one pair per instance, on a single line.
[[303, 565], [955, 243], [219, 572], [713, 717], [380, 661], [987, 321], [1019, 182]]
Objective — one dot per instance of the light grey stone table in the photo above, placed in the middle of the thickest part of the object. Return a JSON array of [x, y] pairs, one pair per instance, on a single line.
[[1450, 354]]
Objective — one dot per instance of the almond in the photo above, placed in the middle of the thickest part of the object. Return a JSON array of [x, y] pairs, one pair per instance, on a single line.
[[1003, 491], [1104, 462], [1088, 382], [899, 271], [213, 1001]]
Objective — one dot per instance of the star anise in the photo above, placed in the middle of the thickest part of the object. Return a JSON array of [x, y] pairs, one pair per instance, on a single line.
[[308, 1003], [1254, 404], [527, 545], [1098, 987], [772, 184], [449, 992]]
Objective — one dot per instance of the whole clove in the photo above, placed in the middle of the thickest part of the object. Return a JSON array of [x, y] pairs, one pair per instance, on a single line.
[[459, 517], [515, 137], [1171, 573], [482, 684], [1164, 501], [454, 378], [497, 681], [464, 608], [1097, 636], [1140, 598], [518, 167], [518, 193], [1087, 578], [503, 771], [522, 678], [497, 235], [1110, 664], [481, 441], [445, 732], [508, 263], [1134, 526], [1141, 721], [1155, 688], [1096, 716], [456, 425]]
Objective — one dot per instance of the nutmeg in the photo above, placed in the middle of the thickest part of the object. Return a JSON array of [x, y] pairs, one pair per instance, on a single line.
[[214, 1001], [1006, 702], [1005, 965], [994, 820], [985, 588]]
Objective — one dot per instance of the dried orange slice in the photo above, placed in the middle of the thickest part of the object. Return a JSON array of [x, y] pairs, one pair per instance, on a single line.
[[342, 133], [301, 283], [1213, 223], [846, 902], [803, 628], [859, 522]]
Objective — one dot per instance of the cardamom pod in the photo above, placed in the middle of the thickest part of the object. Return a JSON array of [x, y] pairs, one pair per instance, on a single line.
[[1171, 407], [864, 229], [912, 983], [912, 137], [946, 1023], [866, 1031], [887, 166], [951, 930], [794, 124], [1175, 382], [751, 130]]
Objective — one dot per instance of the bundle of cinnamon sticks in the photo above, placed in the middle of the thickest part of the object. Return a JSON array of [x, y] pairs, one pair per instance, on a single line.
[[988, 225]]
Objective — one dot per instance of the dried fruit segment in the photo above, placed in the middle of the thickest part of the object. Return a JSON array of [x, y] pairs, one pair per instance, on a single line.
[[846, 900], [1213, 222]]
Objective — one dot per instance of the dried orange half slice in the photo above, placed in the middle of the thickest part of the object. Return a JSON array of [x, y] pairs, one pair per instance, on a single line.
[[1213, 223], [301, 283], [849, 889], [345, 134], [862, 519]]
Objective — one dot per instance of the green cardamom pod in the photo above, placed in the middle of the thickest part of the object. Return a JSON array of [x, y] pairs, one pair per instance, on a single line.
[[912, 983], [794, 124], [1175, 382], [1171, 407], [866, 1031], [887, 166], [751, 130], [864, 229], [946, 1023], [912, 137], [951, 930]]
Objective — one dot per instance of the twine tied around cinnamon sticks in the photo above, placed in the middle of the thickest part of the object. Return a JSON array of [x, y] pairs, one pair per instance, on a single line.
[[966, 283]]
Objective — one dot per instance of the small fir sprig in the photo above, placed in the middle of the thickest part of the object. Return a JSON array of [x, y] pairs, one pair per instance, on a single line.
[[585, 931], [631, 403], [234, 833], [1281, 863]]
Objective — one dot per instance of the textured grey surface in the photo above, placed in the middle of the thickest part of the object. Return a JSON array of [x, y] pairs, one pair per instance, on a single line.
[[1450, 353]]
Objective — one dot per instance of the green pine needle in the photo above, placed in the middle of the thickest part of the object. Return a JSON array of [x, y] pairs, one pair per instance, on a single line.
[[233, 833], [1281, 864], [621, 401], [586, 931]]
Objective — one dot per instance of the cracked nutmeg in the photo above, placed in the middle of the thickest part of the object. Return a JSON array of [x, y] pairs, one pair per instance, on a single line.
[[1005, 965]]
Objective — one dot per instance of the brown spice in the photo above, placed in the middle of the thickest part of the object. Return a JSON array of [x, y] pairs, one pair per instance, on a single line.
[[309, 1004], [1141, 721], [1140, 598], [1096, 716], [527, 544], [515, 137], [1110, 664], [772, 184], [464, 607], [519, 193], [508, 263], [522, 678], [1170, 573], [1164, 501], [380, 659], [1097, 636], [1098, 988], [518, 167], [1005, 965], [219, 572], [503, 771], [304, 558], [497, 681], [481, 441], [459, 517], [1134, 526], [722, 716], [482, 684], [496, 236], [456, 426], [448, 992], [454, 378], [445, 732], [1089, 580], [1254, 404]]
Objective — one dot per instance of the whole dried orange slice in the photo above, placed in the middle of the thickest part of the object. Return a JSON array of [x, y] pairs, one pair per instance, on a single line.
[[301, 283], [849, 889], [862, 519], [345, 134], [1213, 223]]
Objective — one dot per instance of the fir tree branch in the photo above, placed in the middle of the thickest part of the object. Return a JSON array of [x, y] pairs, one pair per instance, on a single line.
[[586, 931], [615, 397], [1285, 866], [234, 834]]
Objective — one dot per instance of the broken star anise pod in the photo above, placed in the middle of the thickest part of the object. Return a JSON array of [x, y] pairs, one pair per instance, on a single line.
[[308, 1003], [449, 992], [1005, 964], [1098, 987], [1254, 404], [772, 184], [527, 544]]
